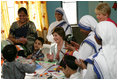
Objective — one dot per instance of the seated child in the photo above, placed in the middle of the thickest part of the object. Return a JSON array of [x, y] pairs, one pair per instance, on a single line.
[[69, 67], [12, 69], [37, 53]]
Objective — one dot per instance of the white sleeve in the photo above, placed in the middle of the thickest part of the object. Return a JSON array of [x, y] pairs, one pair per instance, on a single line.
[[89, 73], [84, 72], [69, 30], [76, 54], [85, 51], [49, 35]]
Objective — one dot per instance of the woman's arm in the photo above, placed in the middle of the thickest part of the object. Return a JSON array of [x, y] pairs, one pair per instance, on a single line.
[[20, 40], [12, 37], [14, 40]]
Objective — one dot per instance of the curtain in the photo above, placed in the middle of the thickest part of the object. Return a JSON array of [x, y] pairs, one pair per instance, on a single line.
[[5, 23], [37, 12]]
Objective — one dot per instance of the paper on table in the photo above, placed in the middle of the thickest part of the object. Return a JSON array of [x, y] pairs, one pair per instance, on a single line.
[[38, 66]]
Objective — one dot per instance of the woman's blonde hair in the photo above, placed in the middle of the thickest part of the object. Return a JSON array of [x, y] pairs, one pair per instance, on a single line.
[[103, 8]]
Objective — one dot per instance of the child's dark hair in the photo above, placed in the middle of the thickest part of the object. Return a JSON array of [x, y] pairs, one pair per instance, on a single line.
[[69, 61], [22, 9], [69, 38], [9, 52], [40, 39]]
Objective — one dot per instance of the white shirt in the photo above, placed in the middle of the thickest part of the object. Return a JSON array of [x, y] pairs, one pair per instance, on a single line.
[[54, 50], [76, 75]]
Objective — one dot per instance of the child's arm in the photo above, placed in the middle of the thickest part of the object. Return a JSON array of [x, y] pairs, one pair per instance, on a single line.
[[29, 56], [40, 57], [27, 68]]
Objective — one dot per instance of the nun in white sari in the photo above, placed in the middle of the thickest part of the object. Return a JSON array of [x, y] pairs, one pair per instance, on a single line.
[[105, 62], [89, 45], [103, 65], [61, 21]]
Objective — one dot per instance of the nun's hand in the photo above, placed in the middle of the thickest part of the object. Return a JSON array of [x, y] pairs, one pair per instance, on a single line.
[[23, 40], [70, 48], [76, 45], [80, 63]]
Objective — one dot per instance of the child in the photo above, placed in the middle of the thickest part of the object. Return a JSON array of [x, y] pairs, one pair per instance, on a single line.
[[13, 69], [37, 53], [103, 12], [69, 67]]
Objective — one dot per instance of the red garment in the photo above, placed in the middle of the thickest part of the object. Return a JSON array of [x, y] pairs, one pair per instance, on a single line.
[[111, 21]]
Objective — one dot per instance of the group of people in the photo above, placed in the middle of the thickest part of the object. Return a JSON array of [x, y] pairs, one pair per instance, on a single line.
[[94, 58]]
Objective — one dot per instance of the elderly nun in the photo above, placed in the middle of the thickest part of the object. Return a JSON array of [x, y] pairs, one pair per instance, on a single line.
[[103, 65], [89, 46], [105, 62]]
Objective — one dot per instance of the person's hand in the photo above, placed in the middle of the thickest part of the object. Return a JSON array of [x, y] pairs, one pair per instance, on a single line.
[[34, 59], [50, 56], [29, 56], [22, 40], [80, 63], [58, 68], [76, 45], [41, 59], [70, 48]]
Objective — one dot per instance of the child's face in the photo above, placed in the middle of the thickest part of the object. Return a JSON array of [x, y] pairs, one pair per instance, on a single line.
[[66, 71], [37, 45], [101, 17]]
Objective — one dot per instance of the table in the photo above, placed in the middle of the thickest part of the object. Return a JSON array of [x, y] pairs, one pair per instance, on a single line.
[[49, 70], [44, 70]]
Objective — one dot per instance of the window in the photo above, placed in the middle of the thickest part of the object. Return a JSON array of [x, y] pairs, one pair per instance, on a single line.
[[70, 8], [10, 5]]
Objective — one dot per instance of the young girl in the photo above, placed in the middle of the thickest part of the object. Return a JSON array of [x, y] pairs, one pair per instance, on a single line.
[[37, 53]]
